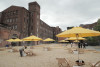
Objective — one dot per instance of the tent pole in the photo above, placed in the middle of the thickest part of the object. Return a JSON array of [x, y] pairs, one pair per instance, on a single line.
[[77, 35]]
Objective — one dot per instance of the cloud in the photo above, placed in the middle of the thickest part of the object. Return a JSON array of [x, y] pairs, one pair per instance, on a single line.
[[63, 13]]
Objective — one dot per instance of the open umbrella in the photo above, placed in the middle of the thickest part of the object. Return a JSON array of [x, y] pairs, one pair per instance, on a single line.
[[14, 40], [17, 40], [78, 32], [76, 41], [32, 38], [10, 40], [63, 41], [49, 39], [74, 38]]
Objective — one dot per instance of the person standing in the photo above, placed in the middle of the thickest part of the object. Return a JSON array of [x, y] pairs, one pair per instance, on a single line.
[[79, 45], [21, 50], [71, 44], [84, 45]]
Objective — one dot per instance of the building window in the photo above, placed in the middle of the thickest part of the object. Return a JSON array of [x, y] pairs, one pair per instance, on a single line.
[[7, 20], [11, 13], [12, 27], [16, 11], [15, 26], [10, 20], [8, 13], [16, 19]]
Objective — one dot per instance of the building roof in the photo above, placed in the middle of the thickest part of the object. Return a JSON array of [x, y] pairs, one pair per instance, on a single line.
[[15, 7], [35, 3]]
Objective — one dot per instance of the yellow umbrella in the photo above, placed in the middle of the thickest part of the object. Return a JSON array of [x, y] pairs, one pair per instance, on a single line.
[[74, 38], [78, 32], [17, 40], [76, 41], [10, 40], [32, 38], [63, 41], [14, 40], [48, 39]]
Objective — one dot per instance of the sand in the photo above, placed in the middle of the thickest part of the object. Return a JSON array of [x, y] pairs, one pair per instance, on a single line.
[[45, 58]]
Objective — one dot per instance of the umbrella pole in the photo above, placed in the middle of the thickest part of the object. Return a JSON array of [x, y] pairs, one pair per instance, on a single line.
[[77, 43]]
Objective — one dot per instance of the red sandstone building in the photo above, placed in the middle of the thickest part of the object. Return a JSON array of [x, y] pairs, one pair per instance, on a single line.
[[7, 34], [27, 22], [89, 26]]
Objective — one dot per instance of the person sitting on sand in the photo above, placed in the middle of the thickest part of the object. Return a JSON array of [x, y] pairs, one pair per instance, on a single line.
[[25, 47]]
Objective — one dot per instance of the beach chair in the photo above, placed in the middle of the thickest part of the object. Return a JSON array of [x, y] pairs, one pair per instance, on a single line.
[[2, 49], [90, 50], [47, 48], [81, 51], [31, 47], [62, 62], [30, 53], [96, 51], [69, 50], [15, 50], [9, 47], [97, 64]]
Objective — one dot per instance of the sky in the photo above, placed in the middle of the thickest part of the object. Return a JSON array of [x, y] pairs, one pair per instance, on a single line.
[[62, 13]]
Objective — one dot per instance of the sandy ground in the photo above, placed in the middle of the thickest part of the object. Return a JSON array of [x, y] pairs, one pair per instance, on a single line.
[[45, 58]]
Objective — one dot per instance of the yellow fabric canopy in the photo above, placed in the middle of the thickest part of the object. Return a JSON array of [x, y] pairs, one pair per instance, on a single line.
[[63, 41], [48, 39], [74, 38], [10, 40], [32, 38], [78, 31], [14, 40], [17, 40], [76, 41]]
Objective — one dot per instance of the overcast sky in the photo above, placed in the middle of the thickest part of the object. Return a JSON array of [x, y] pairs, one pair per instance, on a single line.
[[62, 13]]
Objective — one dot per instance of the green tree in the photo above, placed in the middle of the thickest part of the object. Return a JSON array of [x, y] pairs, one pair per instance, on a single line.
[[91, 41], [94, 40], [97, 28]]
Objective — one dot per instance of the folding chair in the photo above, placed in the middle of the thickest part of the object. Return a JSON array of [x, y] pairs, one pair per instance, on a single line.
[[97, 64], [62, 62]]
